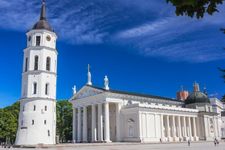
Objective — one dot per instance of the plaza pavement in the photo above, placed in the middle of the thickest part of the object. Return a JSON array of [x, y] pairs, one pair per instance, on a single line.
[[135, 146]]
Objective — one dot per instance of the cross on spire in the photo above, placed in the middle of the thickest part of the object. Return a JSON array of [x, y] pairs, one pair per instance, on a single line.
[[89, 68]]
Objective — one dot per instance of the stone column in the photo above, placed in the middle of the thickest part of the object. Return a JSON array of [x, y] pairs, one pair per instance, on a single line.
[[162, 128], [84, 124], [106, 125], [93, 124], [74, 125], [168, 128], [194, 129], [100, 123], [118, 107], [190, 130], [185, 128], [179, 128], [215, 127], [174, 129], [79, 125]]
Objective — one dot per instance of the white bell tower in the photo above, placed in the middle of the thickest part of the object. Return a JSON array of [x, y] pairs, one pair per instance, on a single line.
[[37, 118]]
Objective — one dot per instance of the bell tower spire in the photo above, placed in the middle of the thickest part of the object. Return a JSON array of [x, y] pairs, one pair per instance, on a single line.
[[42, 22], [43, 11]]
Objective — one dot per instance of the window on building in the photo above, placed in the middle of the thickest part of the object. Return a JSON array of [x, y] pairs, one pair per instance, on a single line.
[[38, 40], [34, 107], [34, 88], [32, 122], [23, 108], [130, 131], [48, 132], [26, 65], [46, 89], [22, 123], [45, 121], [36, 63], [209, 109], [46, 108], [48, 64]]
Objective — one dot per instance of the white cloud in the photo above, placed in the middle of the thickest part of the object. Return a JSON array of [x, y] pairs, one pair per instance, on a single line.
[[177, 39], [151, 27]]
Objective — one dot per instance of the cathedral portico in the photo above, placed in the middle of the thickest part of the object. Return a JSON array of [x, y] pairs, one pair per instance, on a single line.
[[100, 123]]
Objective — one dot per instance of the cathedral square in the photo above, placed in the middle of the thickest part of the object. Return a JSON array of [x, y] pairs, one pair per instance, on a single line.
[[106, 118]]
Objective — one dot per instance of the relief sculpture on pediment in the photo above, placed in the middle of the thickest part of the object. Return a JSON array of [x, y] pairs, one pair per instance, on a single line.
[[87, 93]]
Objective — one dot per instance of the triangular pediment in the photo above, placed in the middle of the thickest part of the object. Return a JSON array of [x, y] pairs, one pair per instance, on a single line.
[[87, 91]]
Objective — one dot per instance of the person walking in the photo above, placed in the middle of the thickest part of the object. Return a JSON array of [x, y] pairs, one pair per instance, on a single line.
[[189, 142], [215, 142]]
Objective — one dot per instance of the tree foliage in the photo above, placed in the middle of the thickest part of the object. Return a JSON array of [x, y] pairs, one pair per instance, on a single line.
[[9, 122], [64, 115], [223, 99], [195, 8], [223, 71]]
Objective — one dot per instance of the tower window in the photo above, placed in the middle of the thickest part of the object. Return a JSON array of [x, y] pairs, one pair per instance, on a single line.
[[22, 123], [32, 122], [45, 121], [45, 108], [36, 63], [38, 40], [29, 38], [48, 132], [26, 64], [46, 89], [48, 63], [23, 108], [35, 88], [34, 107]]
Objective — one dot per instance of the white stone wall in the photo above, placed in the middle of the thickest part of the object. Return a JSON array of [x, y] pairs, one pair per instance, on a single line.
[[130, 122], [43, 33], [32, 134], [150, 129], [223, 127]]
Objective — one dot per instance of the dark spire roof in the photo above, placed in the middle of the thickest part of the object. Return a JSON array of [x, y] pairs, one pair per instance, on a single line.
[[43, 11], [197, 97], [43, 23]]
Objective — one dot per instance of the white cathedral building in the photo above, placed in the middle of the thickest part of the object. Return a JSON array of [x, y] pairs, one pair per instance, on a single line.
[[103, 114]]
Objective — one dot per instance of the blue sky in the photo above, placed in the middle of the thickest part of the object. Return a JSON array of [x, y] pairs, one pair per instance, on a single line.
[[140, 44]]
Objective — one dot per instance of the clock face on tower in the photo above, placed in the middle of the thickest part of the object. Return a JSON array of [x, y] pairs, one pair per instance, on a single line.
[[48, 38]]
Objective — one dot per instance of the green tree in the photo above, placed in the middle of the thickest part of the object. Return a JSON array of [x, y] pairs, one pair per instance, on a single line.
[[64, 115], [8, 124], [14, 109], [223, 99], [195, 8]]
